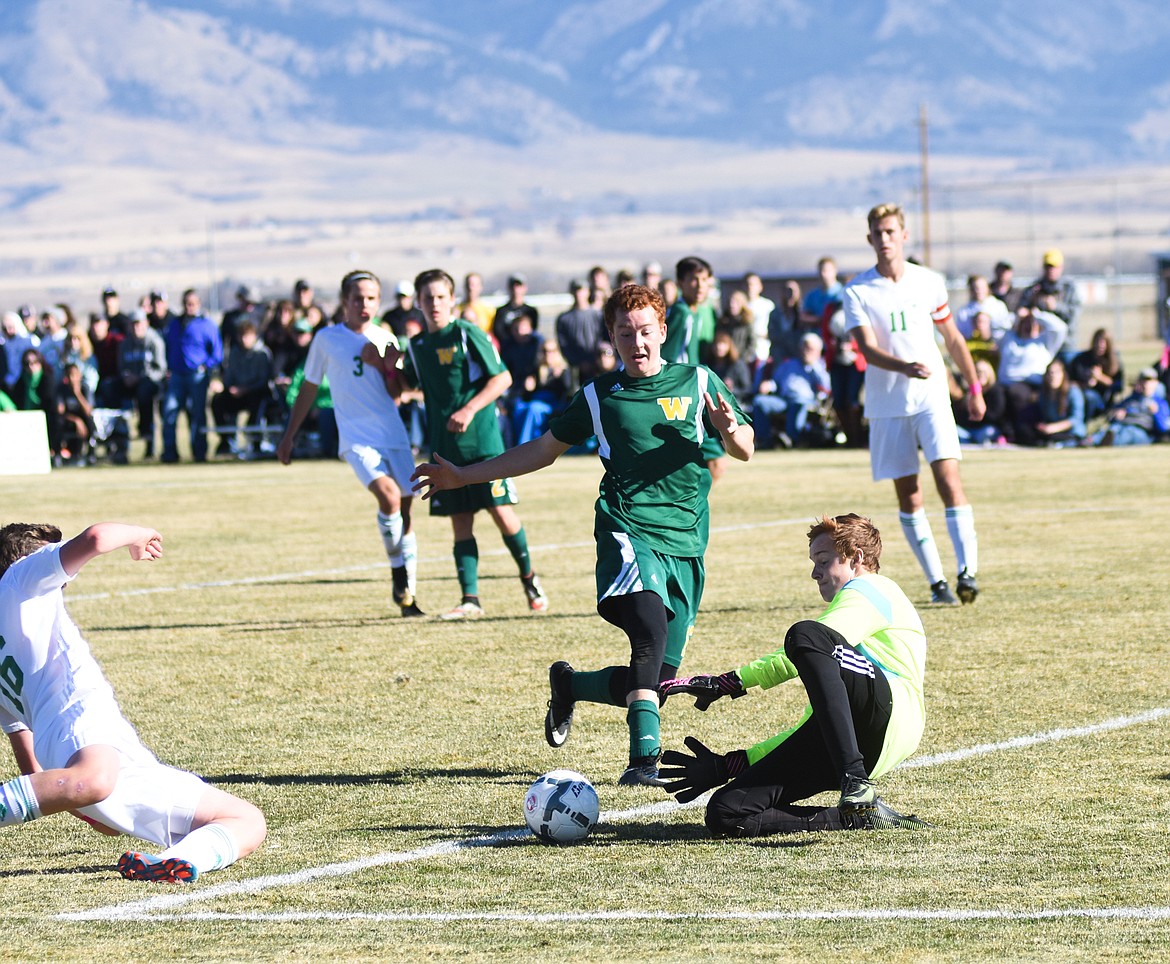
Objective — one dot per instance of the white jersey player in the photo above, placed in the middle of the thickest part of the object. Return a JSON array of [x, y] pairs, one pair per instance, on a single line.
[[372, 438], [894, 311], [75, 750]]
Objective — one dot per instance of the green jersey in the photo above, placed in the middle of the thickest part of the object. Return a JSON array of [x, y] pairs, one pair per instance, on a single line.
[[876, 619], [687, 329], [451, 365], [650, 432]]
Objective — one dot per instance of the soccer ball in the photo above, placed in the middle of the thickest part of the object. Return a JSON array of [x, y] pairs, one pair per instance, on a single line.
[[561, 807]]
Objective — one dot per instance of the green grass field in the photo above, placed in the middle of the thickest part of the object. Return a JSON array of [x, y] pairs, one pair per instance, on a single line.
[[262, 652]]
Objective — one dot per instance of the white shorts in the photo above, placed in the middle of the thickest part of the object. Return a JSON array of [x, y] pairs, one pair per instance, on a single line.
[[151, 801], [894, 442], [369, 463]]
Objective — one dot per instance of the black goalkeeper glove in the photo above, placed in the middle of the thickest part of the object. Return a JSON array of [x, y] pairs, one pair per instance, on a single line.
[[693, 776], [705, 689]]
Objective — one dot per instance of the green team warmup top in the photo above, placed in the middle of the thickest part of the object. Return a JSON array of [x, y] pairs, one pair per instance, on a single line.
[[649, 432], [685, 328], [876, 618], [451, 366]]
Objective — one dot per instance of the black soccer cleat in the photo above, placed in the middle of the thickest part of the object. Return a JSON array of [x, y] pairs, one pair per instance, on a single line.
[[966, 587], [559, 719], [941, 595], [642, 772], [862, 809], [403, 597], [534, 594]]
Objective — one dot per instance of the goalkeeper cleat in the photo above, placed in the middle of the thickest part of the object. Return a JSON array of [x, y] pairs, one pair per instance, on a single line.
[[559, 719], [941, 595], [642, 772], [966, 587], [160, 870], [862, 809], [465, 610], [534, 593]]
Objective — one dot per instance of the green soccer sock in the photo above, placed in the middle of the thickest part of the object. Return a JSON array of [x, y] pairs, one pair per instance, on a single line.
[[517, 544], [596, 686], [467, 565], [645, 737]]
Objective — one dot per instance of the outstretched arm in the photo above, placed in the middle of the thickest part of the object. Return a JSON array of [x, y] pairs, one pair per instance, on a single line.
[[435, 476], [97, 540]]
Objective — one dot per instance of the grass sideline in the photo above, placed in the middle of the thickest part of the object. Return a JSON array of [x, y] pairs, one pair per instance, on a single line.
[[260, 652]]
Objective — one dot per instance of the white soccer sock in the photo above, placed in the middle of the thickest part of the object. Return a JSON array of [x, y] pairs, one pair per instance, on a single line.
[[211, 847], [409, 546], [18, 802], [916, 529], [961, 526], [390, 528]]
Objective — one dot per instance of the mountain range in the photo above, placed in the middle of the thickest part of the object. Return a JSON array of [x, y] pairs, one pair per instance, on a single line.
[[1070, 83], [142, 113]]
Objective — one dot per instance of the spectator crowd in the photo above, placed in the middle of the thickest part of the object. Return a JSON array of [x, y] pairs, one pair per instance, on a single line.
[[114, 375]]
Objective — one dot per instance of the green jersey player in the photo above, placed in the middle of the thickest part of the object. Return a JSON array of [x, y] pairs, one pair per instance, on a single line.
[[461, 376], [862, 663], [651, 420]]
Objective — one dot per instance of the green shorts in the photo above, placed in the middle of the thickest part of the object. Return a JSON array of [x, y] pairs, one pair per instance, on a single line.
[[626, 565], [472, 498]]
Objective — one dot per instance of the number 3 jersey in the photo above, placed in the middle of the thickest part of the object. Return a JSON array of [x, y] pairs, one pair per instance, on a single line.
[[365, 411], [650, 433], [49, 680], [902, 316]]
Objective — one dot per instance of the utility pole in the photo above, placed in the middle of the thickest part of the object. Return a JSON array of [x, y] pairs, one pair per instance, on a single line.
[[925, 155]]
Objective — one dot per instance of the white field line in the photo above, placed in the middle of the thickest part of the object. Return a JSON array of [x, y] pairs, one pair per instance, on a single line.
[[1050, 736], [345, 868], [578, 917], [150, 908]]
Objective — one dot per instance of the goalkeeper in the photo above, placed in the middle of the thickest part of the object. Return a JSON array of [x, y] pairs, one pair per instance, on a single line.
[[861, 662]]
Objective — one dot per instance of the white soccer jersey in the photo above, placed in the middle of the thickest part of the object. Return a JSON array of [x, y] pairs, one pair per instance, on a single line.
[[366, 414], [49, 680], [902, 316]]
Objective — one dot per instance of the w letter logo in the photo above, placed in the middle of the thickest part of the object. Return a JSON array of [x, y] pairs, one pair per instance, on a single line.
[[675, 409], [446, 355]]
